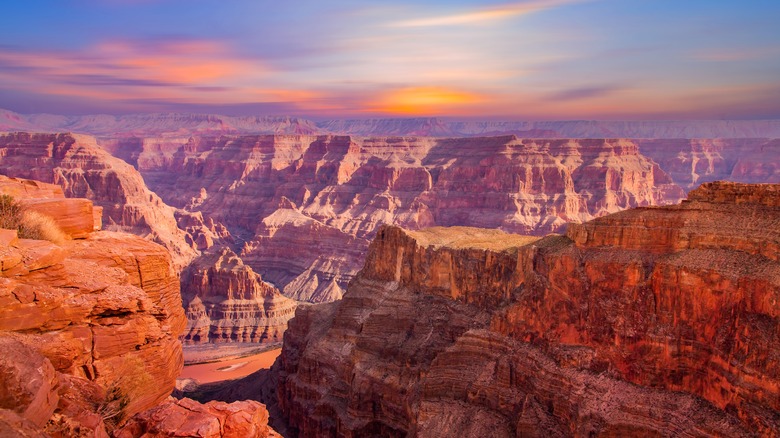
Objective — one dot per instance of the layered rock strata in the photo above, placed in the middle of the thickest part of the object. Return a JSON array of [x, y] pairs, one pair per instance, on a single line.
[[188, 418], [649, 322], [228, 302], [102, 312], [307, 206], [84, 170], [89, 332], [691, 162]]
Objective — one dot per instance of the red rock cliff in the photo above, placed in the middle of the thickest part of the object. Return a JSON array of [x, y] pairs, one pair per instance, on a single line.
[[228, 302], [308, 205], [84, 170], [652, 321], [89, 332]]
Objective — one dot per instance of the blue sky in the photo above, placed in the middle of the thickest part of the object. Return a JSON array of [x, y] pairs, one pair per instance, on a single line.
[[535, 59]]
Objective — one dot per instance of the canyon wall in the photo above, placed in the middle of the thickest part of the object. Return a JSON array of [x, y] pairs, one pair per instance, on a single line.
[[306, 207], [226, 301], [84, 169], [89, 331], [691, 162], [655, 321]]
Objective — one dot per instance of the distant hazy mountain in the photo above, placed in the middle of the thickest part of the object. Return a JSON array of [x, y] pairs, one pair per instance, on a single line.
[[184, 124]]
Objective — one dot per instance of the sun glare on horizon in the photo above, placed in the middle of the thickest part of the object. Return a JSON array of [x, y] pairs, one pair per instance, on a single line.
[[564, 59]]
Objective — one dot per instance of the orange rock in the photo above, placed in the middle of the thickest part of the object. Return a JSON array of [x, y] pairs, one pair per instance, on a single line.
[[27, 380], [185, 417], [74, 216], [651, 321], [104, 314]]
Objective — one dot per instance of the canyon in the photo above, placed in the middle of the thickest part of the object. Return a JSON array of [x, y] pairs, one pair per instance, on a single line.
[[297, 212], [594, 299], [83, 169], [89, 331], [306, 207], [653, 321]]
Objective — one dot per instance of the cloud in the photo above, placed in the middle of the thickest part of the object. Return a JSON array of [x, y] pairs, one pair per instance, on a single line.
[[180, 69], [485, 14], [584, 93], [737, 54]]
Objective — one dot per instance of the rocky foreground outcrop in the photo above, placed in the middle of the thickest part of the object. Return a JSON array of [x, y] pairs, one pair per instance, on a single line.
[[307, 206], [89, 329], [657, 321]]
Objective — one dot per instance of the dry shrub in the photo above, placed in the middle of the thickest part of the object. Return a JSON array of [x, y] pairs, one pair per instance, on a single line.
[[10, 212], [39, 226]]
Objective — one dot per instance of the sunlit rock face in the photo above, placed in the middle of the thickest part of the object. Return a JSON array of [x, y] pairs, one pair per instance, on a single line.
[[691, 162], [307, 206], [89, 332], [226, 301], [654, 321], [98, 314], [85, 170]]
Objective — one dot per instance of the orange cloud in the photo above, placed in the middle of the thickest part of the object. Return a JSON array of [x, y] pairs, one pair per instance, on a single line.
[[181, 70]]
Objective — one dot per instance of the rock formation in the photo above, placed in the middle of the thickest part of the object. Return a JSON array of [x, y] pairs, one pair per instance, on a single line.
[[185, 418], [84, 170], [228, 302], [89, 328], [307, 206], [691, 162], [655, 321]]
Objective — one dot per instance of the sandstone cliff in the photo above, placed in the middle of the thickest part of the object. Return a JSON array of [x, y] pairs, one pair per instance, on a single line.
[[84, 170], [228, 302], [307, 206], [650, 322], [691, 162], [89, 330]]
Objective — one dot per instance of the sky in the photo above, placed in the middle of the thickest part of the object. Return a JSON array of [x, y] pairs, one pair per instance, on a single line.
[[462, 59]]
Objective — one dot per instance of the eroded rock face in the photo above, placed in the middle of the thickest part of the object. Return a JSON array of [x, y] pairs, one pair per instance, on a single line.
[[84, 170], [307, 206], [652, 321], [89, 335], [691, 162], [185, 417], [105, 308], [226, 301]]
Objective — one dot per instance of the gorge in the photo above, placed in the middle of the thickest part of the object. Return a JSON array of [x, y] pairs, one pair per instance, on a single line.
[[300, 210], [652, 321]]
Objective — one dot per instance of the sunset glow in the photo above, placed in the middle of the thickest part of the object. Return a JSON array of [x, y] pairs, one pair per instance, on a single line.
[[534, 59]]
